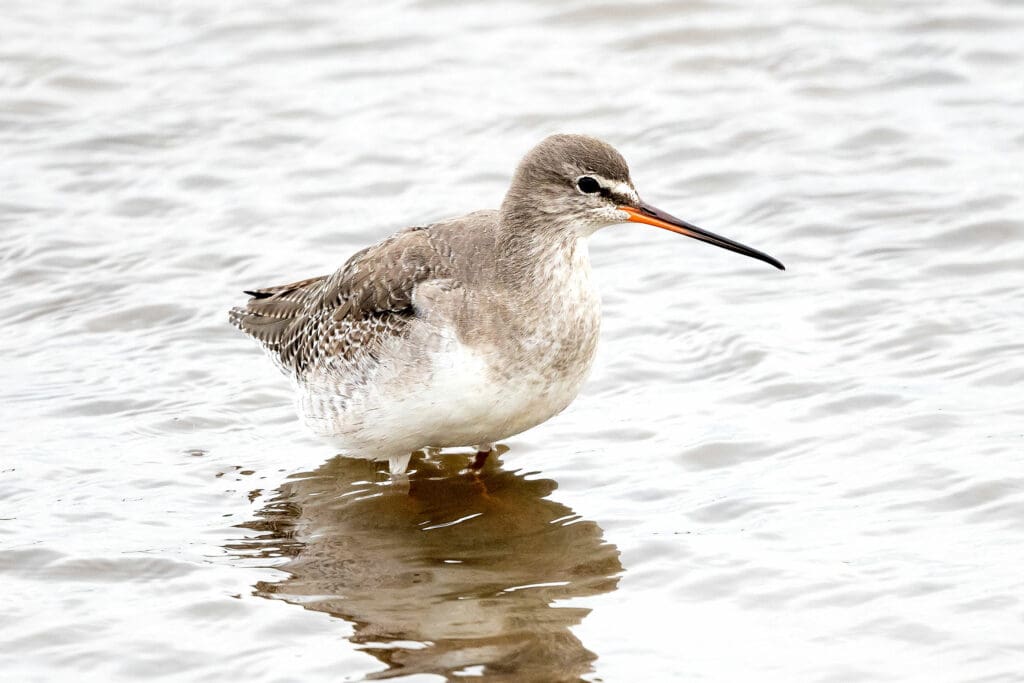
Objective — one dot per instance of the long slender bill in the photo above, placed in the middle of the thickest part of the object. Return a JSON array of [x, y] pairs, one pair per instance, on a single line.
[[650, 215]]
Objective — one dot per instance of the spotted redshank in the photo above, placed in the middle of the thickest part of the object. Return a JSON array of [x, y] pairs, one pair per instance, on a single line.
[[466, 331]]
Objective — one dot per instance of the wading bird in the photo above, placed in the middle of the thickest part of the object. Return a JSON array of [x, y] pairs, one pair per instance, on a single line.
[[465, 331]]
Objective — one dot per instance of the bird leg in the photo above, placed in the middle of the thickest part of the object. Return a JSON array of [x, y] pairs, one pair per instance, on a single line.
[[397, 464], [482, 451]]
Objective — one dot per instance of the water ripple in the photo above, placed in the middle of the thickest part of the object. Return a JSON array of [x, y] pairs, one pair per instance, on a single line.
[[770, 476]]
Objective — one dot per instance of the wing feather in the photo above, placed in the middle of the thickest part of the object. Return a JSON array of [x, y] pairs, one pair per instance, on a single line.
[[349, 313]]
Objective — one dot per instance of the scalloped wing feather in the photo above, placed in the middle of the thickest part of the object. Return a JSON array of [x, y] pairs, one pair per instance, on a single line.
[[348, 314]]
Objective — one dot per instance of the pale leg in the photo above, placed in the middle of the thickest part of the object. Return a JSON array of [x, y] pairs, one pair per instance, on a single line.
[[397, 464]]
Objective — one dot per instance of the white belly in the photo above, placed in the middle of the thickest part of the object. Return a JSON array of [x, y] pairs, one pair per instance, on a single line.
[[459, 401]]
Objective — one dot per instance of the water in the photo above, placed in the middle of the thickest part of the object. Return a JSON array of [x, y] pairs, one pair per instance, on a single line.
[[812, 475]]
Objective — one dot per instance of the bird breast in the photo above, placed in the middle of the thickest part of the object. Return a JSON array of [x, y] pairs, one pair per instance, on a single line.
[[551, 324]]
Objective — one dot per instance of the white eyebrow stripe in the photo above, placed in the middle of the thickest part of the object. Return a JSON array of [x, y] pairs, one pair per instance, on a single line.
[[622, 189]]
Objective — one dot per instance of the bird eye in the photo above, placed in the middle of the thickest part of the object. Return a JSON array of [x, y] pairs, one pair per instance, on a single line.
[[588, 184]]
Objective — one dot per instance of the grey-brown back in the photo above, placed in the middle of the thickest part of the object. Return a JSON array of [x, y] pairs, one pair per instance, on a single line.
[[349, 315]]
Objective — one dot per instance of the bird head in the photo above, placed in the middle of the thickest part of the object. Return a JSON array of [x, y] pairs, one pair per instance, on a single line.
[[581, 184]]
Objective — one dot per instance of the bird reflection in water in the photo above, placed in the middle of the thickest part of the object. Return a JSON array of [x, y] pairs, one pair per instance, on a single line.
[[456, 575]]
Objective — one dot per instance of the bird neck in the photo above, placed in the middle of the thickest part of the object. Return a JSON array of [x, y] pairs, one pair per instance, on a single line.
[[541, 257]]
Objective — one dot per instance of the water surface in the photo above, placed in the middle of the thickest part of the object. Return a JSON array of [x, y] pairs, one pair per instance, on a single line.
[[812, 475]]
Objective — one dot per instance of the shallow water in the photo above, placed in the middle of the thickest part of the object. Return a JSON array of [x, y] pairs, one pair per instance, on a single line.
[[812, 475]]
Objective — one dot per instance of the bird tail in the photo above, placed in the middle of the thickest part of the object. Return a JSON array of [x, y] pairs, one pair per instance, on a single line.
[[271, 313]]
